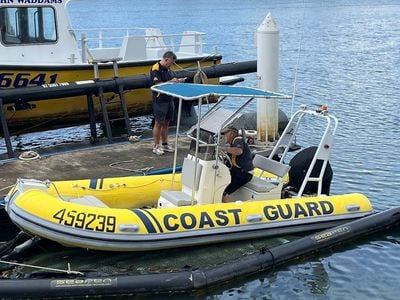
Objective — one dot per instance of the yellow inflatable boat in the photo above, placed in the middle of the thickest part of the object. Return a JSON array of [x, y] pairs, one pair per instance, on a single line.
[[102, 214], [176, 210]]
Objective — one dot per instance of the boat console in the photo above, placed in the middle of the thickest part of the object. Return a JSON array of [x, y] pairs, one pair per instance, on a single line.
[[203, 182], [204, 174]]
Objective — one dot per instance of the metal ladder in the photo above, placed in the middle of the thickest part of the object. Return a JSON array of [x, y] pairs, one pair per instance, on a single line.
[[324, 147], [103, 103]]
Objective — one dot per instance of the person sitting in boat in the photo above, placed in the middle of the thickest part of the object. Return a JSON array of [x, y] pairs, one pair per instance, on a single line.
[[163, 105], [242, 164]]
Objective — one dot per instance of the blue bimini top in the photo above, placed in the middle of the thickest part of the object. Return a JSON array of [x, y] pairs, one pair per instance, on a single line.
[[191, 91]]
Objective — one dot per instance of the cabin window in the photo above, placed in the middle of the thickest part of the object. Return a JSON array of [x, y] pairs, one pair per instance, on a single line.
[[28, 25]]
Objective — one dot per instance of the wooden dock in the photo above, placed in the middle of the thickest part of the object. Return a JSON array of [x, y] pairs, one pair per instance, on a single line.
[[111, 160]]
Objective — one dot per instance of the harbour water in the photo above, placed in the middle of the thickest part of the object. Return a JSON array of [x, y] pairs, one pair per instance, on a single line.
[[341, 53]]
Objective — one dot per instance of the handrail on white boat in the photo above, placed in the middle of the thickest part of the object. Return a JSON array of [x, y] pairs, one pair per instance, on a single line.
[[153, 37]]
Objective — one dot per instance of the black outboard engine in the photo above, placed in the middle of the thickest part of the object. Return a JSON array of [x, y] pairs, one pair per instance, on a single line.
[[298, 169]]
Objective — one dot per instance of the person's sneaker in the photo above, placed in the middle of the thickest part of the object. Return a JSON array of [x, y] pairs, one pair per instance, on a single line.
[[167, 148], [158, 150]]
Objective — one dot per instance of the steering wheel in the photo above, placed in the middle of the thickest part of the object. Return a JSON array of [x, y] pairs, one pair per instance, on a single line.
[[224, 157]]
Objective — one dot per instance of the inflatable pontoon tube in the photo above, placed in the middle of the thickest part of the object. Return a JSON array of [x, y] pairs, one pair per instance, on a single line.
[[201, 278]]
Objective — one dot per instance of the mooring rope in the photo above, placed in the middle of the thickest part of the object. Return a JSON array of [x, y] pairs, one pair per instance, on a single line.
[[69, 271], [200, 76], [143, 171], [7, 187], [193, 64], [123, 185], [29, 155]]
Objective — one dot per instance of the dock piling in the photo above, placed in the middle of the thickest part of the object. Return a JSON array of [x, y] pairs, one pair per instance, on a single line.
[[6, 133]]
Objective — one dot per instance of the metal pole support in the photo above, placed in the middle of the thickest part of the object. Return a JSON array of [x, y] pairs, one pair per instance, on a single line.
[[124, 109], [92, 118], [105, 115], [6, 133]]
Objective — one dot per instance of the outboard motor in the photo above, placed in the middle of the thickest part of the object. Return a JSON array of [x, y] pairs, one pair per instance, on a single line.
[[298, 169]]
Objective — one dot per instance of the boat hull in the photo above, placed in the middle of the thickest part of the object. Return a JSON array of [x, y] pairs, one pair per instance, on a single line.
[[141, 227]]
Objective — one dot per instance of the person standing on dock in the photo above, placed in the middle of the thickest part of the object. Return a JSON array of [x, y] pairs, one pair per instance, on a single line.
[[163, 105], [241, 161]]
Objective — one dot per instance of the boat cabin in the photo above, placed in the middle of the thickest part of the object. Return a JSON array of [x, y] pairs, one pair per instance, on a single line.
[[39, 32]]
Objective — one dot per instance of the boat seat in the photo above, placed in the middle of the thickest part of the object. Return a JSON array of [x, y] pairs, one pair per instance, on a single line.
[[261, 185], [278, 169], [189, 182], [88, 200], [177, 198]]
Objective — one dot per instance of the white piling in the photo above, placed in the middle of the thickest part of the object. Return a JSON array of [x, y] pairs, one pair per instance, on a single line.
[[267, 76]]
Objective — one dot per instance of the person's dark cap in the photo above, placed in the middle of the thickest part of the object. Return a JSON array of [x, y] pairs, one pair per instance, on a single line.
[[229, 128]]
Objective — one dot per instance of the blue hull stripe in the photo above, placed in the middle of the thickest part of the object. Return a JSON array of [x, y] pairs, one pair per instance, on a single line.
[[93, 183], [146, 221], [154, 219]]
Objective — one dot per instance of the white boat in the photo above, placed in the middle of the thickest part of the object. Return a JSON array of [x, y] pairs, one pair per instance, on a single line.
[[153, 212], [39, 47]]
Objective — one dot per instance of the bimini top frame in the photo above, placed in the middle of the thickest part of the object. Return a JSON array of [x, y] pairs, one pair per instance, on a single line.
[[191, 91]]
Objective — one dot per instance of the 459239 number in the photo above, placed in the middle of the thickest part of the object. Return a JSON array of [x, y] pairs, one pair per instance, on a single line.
[[84, 220], [17, 80]]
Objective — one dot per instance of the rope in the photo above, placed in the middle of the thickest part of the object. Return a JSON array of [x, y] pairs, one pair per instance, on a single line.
[[200, 76], [134, 138], [143, 171], [69, 271], [298, 60], [55, 187], [29, 129], [191, 65], [123, 185], [264, 250], [7, 187], [29, 155]]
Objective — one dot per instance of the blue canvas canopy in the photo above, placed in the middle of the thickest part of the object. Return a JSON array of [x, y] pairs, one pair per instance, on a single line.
[[191, 91]]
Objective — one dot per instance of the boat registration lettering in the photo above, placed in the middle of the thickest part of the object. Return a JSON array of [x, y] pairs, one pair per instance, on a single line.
[[88, 221], [205, 220], [18, 80], [298, 210]]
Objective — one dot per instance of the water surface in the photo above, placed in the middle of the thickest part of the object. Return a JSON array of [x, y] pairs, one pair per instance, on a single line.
[[341, 53]]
